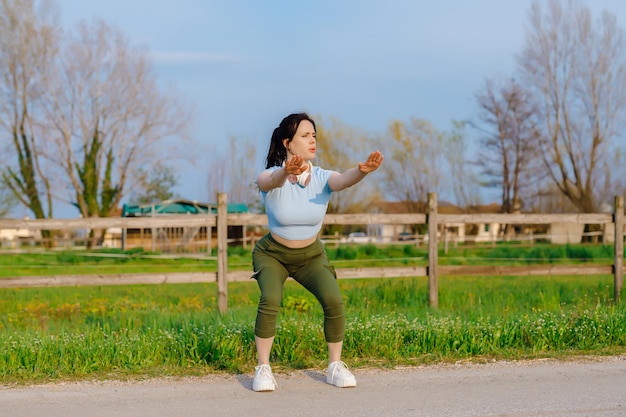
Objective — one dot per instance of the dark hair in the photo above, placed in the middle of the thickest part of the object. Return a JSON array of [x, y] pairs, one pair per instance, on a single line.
[[277, 153]]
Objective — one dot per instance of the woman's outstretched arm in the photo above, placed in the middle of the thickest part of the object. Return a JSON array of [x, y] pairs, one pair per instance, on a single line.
[[341, 181]]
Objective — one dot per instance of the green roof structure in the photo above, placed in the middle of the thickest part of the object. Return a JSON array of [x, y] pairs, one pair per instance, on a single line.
[[168, 207]]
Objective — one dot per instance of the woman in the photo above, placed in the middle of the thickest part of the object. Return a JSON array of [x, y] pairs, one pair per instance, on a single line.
[[296, 195]]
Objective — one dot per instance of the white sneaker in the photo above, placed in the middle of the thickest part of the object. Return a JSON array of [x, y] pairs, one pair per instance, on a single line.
[[263, 379], [339, 375]]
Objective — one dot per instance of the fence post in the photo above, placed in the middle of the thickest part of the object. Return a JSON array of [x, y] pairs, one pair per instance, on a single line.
[[222, 253], [431, 219], [618, 263]]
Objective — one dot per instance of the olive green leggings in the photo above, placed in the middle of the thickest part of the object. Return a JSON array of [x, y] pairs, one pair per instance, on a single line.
[[274, 263]]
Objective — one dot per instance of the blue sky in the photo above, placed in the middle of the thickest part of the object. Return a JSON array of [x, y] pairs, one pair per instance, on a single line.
[[246, 64]]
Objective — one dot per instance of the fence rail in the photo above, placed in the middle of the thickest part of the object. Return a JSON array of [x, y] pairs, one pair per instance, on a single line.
[[434, 221]]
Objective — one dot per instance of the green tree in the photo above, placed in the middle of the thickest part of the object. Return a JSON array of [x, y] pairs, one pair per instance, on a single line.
[[7, 200], [155, 185]]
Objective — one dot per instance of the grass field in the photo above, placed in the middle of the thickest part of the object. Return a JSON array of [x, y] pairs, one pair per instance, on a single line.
[[51, 334], [116, 261]]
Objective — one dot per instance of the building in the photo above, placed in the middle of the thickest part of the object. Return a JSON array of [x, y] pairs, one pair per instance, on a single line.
[[486, 232], [171, 239], [396, 232], [15, 238]]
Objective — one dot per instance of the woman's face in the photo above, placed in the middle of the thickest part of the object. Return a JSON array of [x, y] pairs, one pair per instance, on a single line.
[[303, 143]]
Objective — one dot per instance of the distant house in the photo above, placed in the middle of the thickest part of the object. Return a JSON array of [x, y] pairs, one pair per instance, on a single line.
[[562, 233], [389, 232], [171, 239], [486, 232], [12, 238], [454, 232], [393, 232]]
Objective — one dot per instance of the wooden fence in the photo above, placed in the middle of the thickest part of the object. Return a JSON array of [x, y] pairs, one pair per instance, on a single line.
[[222, 220]]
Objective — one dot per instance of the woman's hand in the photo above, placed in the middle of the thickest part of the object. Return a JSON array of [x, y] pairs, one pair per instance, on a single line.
[[373, 162], [295, 165]]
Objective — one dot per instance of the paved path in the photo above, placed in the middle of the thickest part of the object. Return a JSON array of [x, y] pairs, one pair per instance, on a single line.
[[588, 387]]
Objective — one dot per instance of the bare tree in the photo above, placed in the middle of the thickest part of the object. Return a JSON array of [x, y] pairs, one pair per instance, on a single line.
[[340, 147], [464, 180], [217, 174], [509, 146], [551, 200], [109, 119], [415, 162], [234, 172], [28, 43], [573, 69]]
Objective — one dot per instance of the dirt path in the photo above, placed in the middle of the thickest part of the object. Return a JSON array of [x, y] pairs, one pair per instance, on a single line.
[[586, 387]]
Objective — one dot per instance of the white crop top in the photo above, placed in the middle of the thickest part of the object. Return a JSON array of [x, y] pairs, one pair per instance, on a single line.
[[295, 212]]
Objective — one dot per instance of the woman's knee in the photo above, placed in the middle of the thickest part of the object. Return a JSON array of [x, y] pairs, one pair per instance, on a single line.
[[332, 303], [270, 282], [270, 303]]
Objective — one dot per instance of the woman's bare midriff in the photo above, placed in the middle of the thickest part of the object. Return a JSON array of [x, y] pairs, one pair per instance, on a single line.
[[294, 244]]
